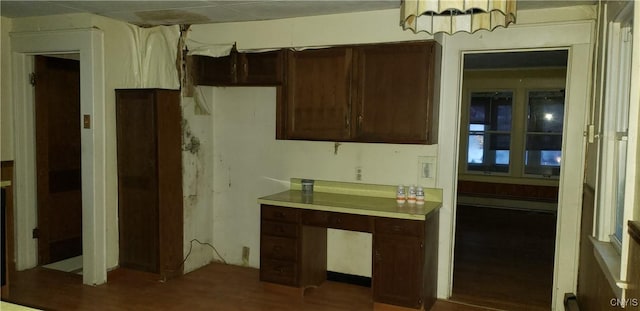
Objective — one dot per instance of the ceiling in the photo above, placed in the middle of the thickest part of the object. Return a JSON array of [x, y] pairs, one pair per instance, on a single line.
[[151, 13]]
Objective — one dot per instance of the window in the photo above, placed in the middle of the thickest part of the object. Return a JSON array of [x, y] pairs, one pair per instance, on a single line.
[[513, 133], [545, 117], [618, 124], [489, 139]]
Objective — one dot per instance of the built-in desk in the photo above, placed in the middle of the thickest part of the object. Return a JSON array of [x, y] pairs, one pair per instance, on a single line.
[[293, 241]]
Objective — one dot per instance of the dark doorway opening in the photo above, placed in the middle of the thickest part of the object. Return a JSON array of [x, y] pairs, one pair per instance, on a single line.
[[58, 160]]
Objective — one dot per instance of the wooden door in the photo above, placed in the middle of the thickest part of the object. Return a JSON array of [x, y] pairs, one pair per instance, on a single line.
[[58, 158], [318, 94], [137, 179], [397, 273], [395, 83]]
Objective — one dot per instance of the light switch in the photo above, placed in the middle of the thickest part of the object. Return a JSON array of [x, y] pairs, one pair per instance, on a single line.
[[427, 171], [87, 121]]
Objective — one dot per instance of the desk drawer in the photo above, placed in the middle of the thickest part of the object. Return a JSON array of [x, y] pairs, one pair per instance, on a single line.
[[279, 229], [284, 214], [350, 222], [277, 271], [278, 248], [333, 220], [399, 226]]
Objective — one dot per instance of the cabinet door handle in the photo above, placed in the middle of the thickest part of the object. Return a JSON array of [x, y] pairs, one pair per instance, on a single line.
[[360, 118], [378, 256], [347, 123]]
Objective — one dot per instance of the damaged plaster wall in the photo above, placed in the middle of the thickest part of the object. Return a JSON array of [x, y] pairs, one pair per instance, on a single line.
[[197, 171]]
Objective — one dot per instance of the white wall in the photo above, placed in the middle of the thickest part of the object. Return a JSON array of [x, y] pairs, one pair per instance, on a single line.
[[249, 163], [6, 109]]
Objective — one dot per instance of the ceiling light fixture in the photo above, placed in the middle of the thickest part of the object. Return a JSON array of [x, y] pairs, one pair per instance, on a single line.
[[451, 16]]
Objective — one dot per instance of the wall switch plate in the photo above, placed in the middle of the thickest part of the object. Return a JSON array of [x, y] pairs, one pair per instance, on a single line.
[[427, 169]]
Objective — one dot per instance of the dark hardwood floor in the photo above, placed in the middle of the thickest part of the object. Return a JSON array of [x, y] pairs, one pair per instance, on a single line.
[[213, 287], [504, 258]]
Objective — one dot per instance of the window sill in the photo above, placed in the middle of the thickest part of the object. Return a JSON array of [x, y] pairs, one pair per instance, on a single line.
[[609, 260]]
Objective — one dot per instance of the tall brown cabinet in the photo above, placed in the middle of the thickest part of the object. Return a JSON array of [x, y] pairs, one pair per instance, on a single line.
[[150, 180]]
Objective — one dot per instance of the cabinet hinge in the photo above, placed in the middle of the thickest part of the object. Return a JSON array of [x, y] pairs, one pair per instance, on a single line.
[[32, 79], [36, 233]]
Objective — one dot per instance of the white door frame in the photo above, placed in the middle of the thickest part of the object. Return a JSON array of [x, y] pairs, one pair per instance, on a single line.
[[577, 38], [89, 44]]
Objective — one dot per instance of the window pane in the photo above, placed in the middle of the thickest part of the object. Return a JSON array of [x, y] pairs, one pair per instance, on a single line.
[[544, 142], [476, 149], [543, 153], [489, 152], [546, 111], [504, 116], [492, 109], [621, 176], [489, 141]]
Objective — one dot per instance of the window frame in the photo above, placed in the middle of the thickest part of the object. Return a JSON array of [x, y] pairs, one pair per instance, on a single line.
[[500, 80], [525, 132], [609, 137], [617, 94], [466, 132]]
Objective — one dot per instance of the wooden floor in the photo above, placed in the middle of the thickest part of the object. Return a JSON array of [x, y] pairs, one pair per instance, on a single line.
[[213, 287], [504, 258]]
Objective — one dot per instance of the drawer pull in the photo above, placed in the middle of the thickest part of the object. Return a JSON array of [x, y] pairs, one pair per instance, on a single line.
[[396, 228], [277, 248], [278, 214], [279, 270]]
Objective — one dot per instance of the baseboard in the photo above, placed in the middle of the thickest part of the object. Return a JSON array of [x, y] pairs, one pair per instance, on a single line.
[[349, 278]]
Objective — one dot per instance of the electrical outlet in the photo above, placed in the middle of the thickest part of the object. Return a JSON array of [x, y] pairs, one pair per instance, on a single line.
[[245, 255], [358, 173]]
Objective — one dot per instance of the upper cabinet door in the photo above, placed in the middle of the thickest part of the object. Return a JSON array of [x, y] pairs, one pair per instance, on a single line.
[[318, 94], [215, 70], [394, 92], [260, 68]]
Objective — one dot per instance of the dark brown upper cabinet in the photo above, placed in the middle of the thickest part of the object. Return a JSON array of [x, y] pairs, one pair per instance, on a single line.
[[265, 68], [318, 94], [379, 93]]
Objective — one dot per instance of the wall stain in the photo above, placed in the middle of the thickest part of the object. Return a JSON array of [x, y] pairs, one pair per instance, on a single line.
[[190, 142]]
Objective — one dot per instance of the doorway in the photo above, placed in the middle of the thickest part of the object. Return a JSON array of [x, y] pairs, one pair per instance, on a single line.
[[89, 43], [511, 127], [56, 84]]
